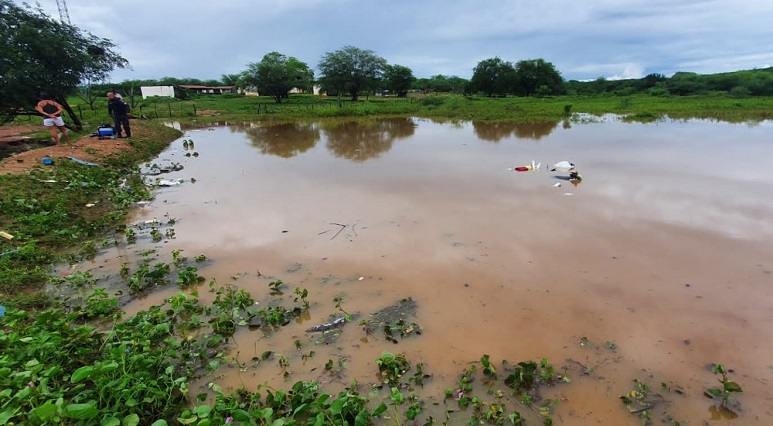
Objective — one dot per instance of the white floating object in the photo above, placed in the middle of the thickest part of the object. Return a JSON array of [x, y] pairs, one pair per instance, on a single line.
[[169, 182], [563, 166], [557, 185], [361, 278], [568, 193]]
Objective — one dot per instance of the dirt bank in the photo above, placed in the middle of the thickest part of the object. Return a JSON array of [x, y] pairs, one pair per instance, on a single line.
[[86, 148]]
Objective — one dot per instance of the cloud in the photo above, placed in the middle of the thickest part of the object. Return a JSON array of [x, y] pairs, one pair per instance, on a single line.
[[585, 40]]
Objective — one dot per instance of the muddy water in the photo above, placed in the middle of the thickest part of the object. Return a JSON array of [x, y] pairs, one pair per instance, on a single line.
[[665, 249]]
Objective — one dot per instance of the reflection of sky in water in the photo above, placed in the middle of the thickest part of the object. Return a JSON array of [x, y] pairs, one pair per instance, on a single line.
[[704, 175]]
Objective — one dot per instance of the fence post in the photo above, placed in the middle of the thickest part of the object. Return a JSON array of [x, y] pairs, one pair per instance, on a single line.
[[170, 109], [80, 112], [194, 110], [155, 107]]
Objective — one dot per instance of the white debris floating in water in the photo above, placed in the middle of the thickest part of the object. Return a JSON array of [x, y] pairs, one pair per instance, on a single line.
[[563, 166]]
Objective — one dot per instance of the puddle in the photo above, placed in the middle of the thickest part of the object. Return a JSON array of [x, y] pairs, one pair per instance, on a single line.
[[663, 250]]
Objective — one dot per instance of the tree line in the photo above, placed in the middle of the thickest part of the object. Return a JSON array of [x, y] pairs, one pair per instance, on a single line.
[[43, 54], [758, 82]]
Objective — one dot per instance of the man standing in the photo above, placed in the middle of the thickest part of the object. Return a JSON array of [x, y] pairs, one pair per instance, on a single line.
[[52, 117], [119, 110]]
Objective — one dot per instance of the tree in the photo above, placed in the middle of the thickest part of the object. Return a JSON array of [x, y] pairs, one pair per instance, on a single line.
[[230, 79], [537, 77], [398, 79], [350, 70], [684, 83], [361, 141], [458, 84], [88, 94], [493, 76], [41, 54], [283, 140], [131, 92], [276, 74]]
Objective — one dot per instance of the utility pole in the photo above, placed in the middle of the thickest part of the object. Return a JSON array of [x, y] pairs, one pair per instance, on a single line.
[[64, 15]]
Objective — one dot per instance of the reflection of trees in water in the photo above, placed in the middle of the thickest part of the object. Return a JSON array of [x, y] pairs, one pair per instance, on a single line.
[[453, 123], [496, 131], [361, 140], [283, 140]]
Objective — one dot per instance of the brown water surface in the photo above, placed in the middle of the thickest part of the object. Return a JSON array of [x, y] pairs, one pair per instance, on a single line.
[[665, 249]]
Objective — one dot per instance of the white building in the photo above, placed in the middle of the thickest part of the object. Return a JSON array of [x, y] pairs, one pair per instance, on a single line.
[[162, 91]]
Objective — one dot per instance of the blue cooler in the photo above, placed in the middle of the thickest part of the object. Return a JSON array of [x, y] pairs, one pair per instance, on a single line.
[[105, 132]]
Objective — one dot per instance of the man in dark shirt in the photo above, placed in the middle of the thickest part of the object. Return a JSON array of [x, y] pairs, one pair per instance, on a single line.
[[119, 110]]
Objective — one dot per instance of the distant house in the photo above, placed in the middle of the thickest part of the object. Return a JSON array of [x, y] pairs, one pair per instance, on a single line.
[[208, 90], [162, 91], [315, 90], [249, 91]]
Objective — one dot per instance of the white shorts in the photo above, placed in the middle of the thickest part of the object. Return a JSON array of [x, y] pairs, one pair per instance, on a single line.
[[48, 122]]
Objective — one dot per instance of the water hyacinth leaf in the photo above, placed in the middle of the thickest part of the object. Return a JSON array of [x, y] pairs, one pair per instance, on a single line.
[[714, 392], [81, 411], [337, 406], [241, 416], [187, 421], [203, 411], [109, 367], [732, 387], [361, 419], [299, 409], [380, 409], [46, 411], [110, 421], [266, 413], [161, 422], [7, 415], [81, 373], [131, 420]]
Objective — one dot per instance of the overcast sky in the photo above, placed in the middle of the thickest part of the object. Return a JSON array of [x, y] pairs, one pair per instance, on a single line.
[[585, 39]]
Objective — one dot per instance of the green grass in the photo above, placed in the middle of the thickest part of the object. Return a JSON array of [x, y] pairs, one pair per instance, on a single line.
[[640, 107], [49, 221]]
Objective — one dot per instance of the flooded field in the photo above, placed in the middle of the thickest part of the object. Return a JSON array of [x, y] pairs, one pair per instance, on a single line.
[[657, 264]]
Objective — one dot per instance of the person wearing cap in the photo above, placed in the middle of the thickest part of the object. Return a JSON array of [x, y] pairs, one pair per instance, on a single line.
[[119, 110]]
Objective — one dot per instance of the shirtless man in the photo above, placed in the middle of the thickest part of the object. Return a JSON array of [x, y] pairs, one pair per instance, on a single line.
[[52, 117]]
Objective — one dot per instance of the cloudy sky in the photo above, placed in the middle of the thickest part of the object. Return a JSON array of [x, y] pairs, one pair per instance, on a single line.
[[585, 39]]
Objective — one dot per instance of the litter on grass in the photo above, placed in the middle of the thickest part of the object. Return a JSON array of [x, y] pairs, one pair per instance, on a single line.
[[83, 162], [329, 326], [170, 182], [164, 182], [157, 169]]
